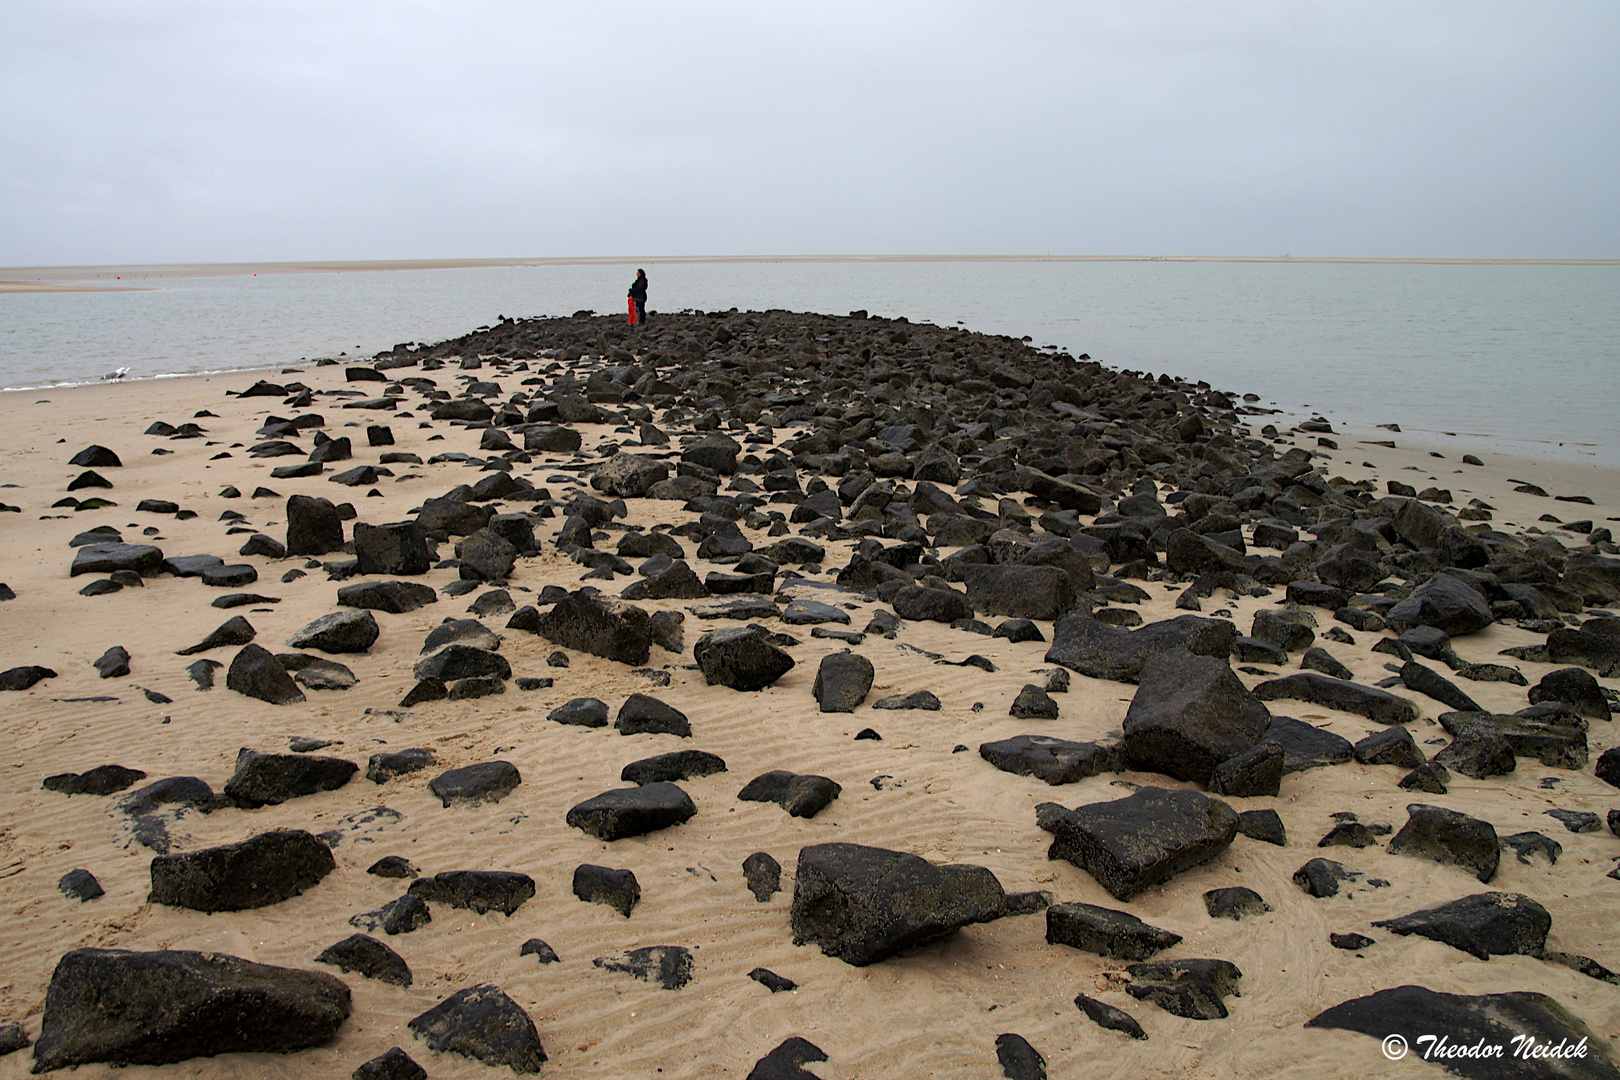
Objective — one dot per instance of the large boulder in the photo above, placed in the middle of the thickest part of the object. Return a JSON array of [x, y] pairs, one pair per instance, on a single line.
[[156, 1008], [339, 632], [1521, 1018], [864, 904], [1443, 602], [1189, 714], [313, 526], [1020, 592], [1145, 839], [742, 658], [482, 1023], [270, 779], [1483, 925], [628, 475], [399, 547], [254, 873], [601, 626], [1083, 644]]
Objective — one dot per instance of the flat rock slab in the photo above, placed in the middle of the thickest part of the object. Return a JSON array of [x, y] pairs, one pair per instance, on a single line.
[[738, 606], [1413, 1012], [1483, 925], [270, 779], [394, 597], [800, 796], [864, 904], [101, 780], [482, 1023], [253, 873], [1379, 706], [455, 662], [1093, 648], [488, 781], [669, 966], [480, 891], [1306, 746], [156, 1008], [1434, 832], [1106, 932], [813, 612], [469, 632], [1056, 761], [678, 765], [1131, 844], [1195, 989], [625, 812], [144, 559]]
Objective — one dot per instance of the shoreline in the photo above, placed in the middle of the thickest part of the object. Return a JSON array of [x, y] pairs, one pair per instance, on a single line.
[[25, 276]]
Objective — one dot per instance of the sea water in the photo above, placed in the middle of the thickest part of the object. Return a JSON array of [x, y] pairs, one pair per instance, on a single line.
[[1520, 356]]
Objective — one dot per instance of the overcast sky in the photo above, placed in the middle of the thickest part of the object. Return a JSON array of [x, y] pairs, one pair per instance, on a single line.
[[153, 131]]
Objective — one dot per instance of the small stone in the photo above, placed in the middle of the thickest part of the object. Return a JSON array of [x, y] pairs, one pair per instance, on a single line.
[[80, 885], [369, 957], [618, 889], [670, 966], [763, 875], [488, 781]]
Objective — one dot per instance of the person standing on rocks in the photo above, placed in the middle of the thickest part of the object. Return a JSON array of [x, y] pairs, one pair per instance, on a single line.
[[638, 294]]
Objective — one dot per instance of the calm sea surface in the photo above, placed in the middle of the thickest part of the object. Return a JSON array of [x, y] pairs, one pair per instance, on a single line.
[[1527, 357]]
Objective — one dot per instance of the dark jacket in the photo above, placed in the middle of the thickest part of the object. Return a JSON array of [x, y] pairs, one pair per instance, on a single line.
[[638, 289]]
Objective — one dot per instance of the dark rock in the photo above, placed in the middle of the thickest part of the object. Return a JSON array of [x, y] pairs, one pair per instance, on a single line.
[[396, 1064], [1350, 942], [95, 457], [233, 631], [1427, 681], [397, 548], [156, 1008], [542, 952], [800, 796], [80, 885], [394, 597], [1020, 592], [1577, 821], [454, 662], [13, 1038], [1370, 702], [424, 690], [1018, 1059], [1392, 746], [1575, 688], [469, 632], [803, 612], [313, 526], [1105, 932], [628, 475], [1033, 703], [863, 904], [21, 678], [1348, 834], [114, 663], [384, 767], [670, 966], [254, 873], [618, 889], [368, 956], [1321, 877], [1106, 1016], [1430, 777], [1018, 630], [772, 981], [1056, 761], [1319, 659], [1236, 902], [921, 604], [1194, 989], [255, 673], [1306, 746], [270, 779], [1093, 648], [403, 916], [642, 714], [392, 866], [144, 559], [1263, 825], [101, 780], [229, 577], [1145, 839], [843, 680], [1256, 771], [678, 765], [1446, 603], [488, 781], [267, 546], [581, 712], [480, 891], [1189, 714], [624, 812], [787, 1060], [1483, 925], [1433, 832], [1526, 844], [236, 600], [763, 875], [482, 1023], [600, 626], [919, 699], [742, 658]]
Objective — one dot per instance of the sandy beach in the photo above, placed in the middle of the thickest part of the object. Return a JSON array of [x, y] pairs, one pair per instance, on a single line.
[[921, 788]]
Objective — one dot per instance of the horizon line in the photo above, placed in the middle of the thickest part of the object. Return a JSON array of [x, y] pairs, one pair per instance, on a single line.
[[18, 275]]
